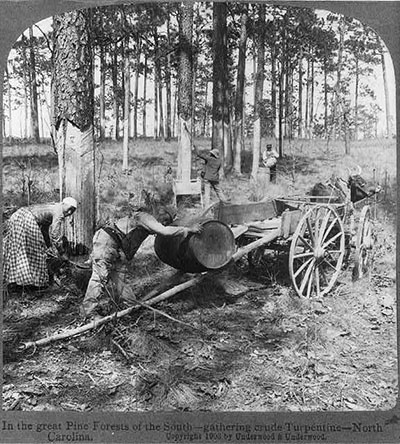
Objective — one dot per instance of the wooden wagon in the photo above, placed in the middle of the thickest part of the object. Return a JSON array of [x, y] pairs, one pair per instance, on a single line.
[[318, 236]]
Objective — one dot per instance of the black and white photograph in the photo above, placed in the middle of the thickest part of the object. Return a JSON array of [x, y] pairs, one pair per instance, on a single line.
[[199, 216]]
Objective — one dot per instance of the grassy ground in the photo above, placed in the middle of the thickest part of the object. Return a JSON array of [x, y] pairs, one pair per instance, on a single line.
[[248, 342]]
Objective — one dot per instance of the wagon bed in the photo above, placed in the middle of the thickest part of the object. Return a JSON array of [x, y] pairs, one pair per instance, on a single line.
[[318, 236]]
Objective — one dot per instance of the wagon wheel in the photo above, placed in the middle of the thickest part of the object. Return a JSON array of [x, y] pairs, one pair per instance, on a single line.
[[317, 251], [364, 244]]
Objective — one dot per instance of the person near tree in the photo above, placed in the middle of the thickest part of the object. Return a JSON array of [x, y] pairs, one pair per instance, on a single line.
[[270, 159], [33, 234], [115, 245], [210, 175]]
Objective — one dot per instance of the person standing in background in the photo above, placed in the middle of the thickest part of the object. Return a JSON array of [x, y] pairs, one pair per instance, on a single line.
[[270, 159], [211, 175]]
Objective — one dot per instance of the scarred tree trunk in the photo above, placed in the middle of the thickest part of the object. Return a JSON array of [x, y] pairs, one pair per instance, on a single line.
[[185, 92], [73, 120]]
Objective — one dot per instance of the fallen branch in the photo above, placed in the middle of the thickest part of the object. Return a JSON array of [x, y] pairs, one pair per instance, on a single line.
[[96, 323], [161, 297], [166, 315]]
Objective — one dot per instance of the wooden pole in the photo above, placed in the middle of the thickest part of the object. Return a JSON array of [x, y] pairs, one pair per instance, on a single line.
[[96, 323], [161, 297]]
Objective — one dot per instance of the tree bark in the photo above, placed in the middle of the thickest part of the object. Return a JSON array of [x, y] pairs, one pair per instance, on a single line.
[[144, 115], [156, 81], [115, 135], [127, 93], [239, 99], [136, 88], [300, 110], [356, 91], [386, 89], [9, 104], [259, 89], [73, 121], [168, 69], [273, 91], [220, 85], [185, 104], [102, 94], [34, 92]]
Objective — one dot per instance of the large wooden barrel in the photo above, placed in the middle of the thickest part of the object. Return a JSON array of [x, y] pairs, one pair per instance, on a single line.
[[209, 250]]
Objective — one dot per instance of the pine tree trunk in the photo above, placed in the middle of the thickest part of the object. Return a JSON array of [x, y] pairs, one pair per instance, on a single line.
[[205, 113], [311, 128], [168, 81], [185, 103], [280, 113], [325, 99], [73, 120], [127, 92], [33, 86], [114, 68], [102, 94], [219, 78], [27, 93], [300, 109], [337, 117], [386, 89], [136, 88], [161, 131], [308, 98], [356, 88], [144, 115], [239, 99], [259, 89], [273, 92], [9, 105]]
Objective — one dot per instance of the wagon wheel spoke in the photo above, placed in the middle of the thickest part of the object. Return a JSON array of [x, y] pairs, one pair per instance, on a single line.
[[311, 232], [332, 239], [305, 242], [330, 264], [307, 276], [303, 255], [329, 230], [302, 267]]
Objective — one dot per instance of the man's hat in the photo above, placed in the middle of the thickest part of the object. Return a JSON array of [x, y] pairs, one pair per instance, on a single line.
[[215, 152]]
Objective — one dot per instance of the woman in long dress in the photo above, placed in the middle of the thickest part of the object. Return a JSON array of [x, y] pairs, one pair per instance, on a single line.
[[31, 232]]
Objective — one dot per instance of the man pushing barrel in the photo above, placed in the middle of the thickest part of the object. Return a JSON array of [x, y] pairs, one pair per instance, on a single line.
[[114, 246]]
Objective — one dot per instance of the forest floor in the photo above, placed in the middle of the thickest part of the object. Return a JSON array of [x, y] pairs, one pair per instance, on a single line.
[[245, 340]]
